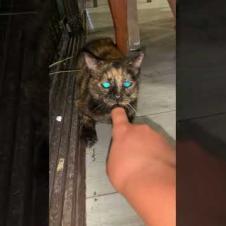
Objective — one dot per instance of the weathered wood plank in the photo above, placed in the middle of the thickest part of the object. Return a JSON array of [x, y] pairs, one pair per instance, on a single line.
[[72, 193], [58, 92], [67, 155], [57, 197]]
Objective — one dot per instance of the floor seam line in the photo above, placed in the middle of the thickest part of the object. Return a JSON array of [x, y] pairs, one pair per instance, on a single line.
[[174, 110], [101, 195], [202, 116]]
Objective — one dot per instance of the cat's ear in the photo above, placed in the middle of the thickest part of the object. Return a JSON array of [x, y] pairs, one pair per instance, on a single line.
[[136, 60], [91, 61]]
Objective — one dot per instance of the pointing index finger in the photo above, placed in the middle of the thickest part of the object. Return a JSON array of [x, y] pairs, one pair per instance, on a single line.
[[118, 116]]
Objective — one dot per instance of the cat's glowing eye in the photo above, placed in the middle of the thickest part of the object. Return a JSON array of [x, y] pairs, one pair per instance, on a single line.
[[106, 85], [127, 84]]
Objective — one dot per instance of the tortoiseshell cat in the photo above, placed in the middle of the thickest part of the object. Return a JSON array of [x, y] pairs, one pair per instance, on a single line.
[[107, 79]]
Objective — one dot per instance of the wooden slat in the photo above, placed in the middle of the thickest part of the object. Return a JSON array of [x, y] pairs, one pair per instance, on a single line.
[[67, 155], [58, 92], [72, 207], [57, 196]]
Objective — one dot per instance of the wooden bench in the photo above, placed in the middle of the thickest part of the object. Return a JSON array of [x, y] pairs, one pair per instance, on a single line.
[[67, 154], [67, 191]]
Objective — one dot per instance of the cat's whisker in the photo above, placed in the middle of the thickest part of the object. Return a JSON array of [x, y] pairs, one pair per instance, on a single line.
[[60, 72], [98, 107], [129, 108], [60, 61], [132, 108]]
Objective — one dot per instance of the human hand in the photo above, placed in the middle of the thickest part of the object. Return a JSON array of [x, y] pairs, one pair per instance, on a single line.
[[141, 166], [135, 147]]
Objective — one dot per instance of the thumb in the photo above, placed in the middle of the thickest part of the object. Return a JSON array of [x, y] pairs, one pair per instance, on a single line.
[[118, 116]]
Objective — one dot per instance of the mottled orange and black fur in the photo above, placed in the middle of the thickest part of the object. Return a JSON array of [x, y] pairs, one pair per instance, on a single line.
[[101, 61]]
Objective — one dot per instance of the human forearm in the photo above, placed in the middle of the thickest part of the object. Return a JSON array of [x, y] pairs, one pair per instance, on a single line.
[[141, 166], [151, 192]]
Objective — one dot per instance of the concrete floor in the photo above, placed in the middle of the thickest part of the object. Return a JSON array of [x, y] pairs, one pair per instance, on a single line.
[[156, 106]]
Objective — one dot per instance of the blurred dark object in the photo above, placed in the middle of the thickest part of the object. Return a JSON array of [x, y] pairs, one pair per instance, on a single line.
[[201, 113], [30, 34], [201, 175]]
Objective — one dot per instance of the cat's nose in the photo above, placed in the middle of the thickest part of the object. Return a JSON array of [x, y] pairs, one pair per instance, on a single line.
[[117, 97]]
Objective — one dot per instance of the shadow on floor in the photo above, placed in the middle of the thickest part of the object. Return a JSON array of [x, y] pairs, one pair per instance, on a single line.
[[156, 127]]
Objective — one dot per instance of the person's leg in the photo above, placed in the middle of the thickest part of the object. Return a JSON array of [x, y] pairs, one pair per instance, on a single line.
[[119, 16], [172, 4]]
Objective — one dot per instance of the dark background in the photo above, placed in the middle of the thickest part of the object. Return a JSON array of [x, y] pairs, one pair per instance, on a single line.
[[201, 113], [28, 42]]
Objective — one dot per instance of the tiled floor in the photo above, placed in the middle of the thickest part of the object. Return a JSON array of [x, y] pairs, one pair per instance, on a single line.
[[156, 107]]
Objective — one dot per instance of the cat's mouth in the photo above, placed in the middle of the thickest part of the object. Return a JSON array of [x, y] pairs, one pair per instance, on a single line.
[[118, 105], [125, 107]]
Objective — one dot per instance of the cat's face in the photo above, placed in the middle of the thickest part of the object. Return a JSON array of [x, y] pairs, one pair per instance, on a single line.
[[114, 83]]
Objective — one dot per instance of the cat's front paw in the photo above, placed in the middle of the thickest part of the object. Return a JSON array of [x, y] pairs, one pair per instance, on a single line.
[[88, 136]]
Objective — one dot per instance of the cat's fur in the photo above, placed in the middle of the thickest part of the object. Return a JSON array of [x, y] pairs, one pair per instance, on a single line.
[[100, 61]]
